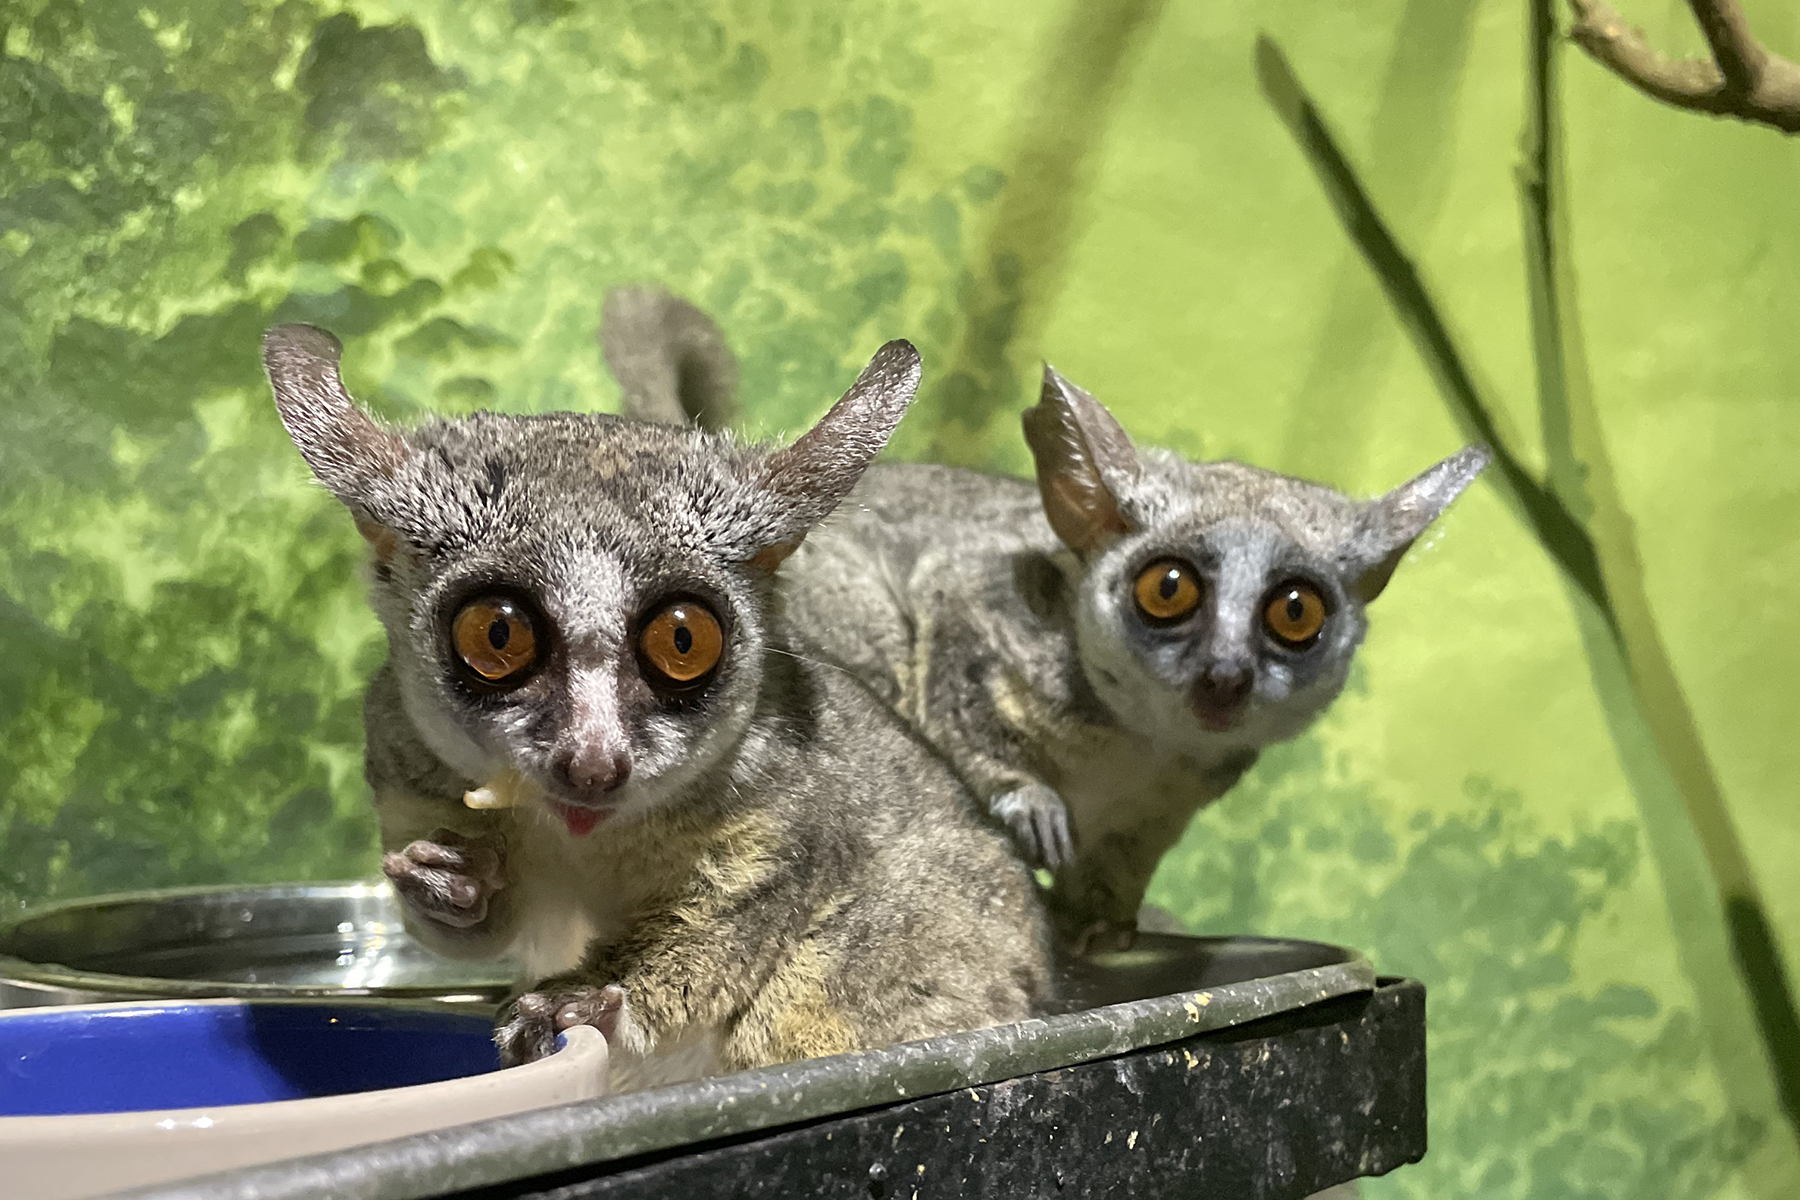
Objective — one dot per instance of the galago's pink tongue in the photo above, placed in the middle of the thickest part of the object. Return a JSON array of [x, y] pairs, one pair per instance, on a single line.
[[581, 821]]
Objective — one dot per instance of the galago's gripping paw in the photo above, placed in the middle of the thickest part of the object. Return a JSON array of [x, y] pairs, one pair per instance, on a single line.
[[1103, 937], [1039, 823], [528, 1026], [449, 878]]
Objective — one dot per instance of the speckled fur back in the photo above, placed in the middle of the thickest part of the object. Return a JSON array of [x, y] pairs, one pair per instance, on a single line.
[[1098, 655], [1102, 654]]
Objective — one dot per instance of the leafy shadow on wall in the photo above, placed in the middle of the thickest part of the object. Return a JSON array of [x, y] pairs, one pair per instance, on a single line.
[[183, 641], [175, 650], [184, 646]]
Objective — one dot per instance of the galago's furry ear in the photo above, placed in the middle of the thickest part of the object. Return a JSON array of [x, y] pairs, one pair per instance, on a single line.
[[1083, 459], [1389, 525], [349, 451], [808, 478]]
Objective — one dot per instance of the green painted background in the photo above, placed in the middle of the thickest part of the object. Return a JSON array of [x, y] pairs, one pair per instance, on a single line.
[[450, 187]]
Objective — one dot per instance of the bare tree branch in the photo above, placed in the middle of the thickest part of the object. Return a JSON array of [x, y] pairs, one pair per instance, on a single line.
[[1741, 80], [1740, 59], [1579, 515]]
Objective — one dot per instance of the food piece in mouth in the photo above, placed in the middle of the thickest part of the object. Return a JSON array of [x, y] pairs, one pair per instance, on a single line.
[[505, 790]]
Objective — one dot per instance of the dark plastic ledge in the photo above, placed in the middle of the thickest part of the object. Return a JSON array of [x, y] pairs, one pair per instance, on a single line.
[[1345, 1075], [1279, 1109]]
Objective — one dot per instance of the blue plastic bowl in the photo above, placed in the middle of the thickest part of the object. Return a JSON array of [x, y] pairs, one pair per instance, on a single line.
[[132, 1057]]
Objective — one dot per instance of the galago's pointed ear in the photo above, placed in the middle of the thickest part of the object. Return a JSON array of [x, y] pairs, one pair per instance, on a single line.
[[806, 480], [349, 451], [1389, 525], [1083, 460]]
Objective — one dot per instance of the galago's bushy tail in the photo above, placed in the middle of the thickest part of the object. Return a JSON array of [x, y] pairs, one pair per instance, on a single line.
[[669, 358]]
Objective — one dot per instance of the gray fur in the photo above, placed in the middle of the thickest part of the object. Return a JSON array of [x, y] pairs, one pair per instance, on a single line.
[[1020, 654], [669, 358], [782, 869], [997, 618]]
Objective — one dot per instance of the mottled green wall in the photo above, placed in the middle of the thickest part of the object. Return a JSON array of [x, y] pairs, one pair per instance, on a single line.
[[450, 187]]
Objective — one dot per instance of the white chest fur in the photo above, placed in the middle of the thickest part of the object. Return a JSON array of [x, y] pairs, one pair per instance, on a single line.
[[566, 894], [570, 891], [1115, 782]]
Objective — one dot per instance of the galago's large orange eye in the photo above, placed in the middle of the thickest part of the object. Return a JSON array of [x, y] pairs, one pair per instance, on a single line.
[[1168, 590], [680, 645], [495, 638], [1294, 613]]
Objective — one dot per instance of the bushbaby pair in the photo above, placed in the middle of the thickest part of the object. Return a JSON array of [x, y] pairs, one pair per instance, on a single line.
[[732, 850]]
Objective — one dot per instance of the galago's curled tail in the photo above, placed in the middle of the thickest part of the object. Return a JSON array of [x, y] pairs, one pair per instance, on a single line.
[[669, 358]]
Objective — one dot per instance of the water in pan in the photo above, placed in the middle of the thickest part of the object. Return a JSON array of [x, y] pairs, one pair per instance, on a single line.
[[290, 938], [350, 957]]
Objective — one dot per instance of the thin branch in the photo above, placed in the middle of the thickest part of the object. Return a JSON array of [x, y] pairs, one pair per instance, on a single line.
[[1580, 518], [1556, 528], [1580, 471], [1686, 82], [1734, 48], [1741, 80]]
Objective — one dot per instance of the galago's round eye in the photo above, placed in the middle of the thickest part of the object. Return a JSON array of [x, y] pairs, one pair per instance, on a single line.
[[680, 645], [1294, 613], [1168, 590], [496, 639]]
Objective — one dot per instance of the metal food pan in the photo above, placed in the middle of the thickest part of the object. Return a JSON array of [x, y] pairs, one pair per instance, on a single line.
[[1151, 1005], [318, 940]]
